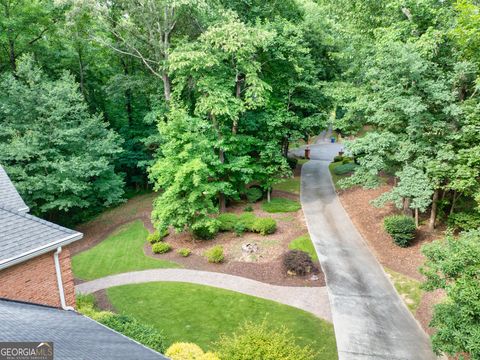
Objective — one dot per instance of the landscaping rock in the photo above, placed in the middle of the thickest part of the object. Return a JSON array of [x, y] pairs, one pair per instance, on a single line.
[[314, 278], [250, 248]]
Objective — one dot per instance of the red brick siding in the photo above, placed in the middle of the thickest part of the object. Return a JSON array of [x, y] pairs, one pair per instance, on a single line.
[[35, 281]]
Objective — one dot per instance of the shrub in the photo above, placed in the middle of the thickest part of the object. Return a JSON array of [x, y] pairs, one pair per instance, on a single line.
[[248, 208], [206, 229], [338, 158], [280, 205], [264, 226], [161, 248], [401, 228], [239, 228], [130, 327], [347, 160], [292, 162], [258, 341], [253, 194], [188, 351], [464, 221], [247, 219], [298, 262], [157, 236], [344, 169], [184, 252], [215, 254], [227, 221]]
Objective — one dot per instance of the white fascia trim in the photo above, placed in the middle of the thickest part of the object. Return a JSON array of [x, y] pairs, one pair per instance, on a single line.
[[39, 251]]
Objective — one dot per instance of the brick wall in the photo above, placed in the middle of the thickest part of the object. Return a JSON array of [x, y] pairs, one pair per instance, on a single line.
[[35, 281]]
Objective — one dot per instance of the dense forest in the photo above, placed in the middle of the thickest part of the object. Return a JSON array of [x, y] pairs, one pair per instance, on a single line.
[[199, 99]]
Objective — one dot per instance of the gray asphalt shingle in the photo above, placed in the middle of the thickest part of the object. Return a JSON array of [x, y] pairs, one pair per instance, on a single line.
[[9, 196], [74, 336]]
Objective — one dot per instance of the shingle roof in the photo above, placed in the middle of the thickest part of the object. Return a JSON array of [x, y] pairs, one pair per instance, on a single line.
[[74, 336], [9, 196], [24, 234]]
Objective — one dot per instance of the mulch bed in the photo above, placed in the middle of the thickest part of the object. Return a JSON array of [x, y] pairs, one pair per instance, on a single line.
[[369, 222]]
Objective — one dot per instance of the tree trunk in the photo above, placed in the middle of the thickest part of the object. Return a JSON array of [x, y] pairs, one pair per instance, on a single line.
[[433, 212], [454, 200], [12, 56], [269, 191], [81, 71], [167, 87], [416, 218], [406, 207], [238, 94]]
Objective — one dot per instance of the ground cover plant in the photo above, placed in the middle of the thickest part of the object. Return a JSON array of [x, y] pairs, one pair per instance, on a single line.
[[120, 252], [281, 205], [210, 320]]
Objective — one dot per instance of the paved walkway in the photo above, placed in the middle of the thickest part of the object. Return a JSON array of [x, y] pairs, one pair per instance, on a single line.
[[311, 299], [370, 319]]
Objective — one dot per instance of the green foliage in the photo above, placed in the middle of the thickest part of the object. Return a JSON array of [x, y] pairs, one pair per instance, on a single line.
[[253, 194], [259, 341], [464, 220], [247, 219], [206, 229], [338, 158], [58, 154], [401, 228], [157, 236], [248, 208], [453, 266], [188, 351], [239, 228], [185, 252], [264, 226], [161, 248], [281, 205], [344, 169], [292, 163], [124, 324], [227, 221], [298, 262], [215, 254], [304, 243]]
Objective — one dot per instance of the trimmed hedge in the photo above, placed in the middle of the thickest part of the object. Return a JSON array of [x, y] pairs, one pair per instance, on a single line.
[[161, 248], [401, 228], [185, 252], [206, 229], [157, 236], [246, 222], [188, 351]]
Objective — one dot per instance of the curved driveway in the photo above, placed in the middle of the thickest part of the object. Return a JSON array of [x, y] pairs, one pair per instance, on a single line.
[[370, 319], [311, 299]]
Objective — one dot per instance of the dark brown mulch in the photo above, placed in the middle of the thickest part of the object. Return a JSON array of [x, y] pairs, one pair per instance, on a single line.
[[102, 302]]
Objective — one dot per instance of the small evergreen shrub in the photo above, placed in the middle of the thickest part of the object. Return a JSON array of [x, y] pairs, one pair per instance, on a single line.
[[215, 254], [253, 194], [248, 208], [292, 162], [264, 226], [401, 228], [188, 351], [161, 248], [227, 221], [347, 160], [338, 158], [185, 252], [239, 228], [298, 262], [157, 236], [344, 169], [206, 229], [259, 341]]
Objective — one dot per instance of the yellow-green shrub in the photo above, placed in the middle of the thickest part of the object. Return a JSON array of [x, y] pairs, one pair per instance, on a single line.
[[188, 351]]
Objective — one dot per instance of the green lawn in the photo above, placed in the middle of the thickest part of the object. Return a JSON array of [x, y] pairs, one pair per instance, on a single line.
[[304, 243], [122, 251], [291, 185], [281, 205], [200, 314], [408, 288], [336, 178]]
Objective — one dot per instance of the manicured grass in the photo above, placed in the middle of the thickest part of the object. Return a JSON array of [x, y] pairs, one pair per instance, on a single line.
[[122, 251], [291, 185], [302, 161], [304, 243], [200, 314], [408, 288], [281, 205]]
